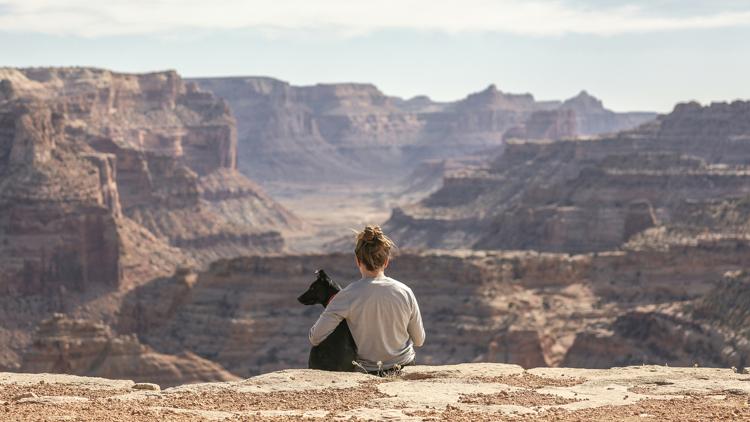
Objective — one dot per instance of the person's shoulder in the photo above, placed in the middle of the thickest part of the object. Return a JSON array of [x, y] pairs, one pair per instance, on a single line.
[[399, 284], [352, 286], [347, 294]]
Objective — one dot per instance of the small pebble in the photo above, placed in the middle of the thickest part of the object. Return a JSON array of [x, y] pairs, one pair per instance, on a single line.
[[29, 395], [146, 386]]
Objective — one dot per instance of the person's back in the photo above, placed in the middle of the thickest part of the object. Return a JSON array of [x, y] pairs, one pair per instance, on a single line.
[[382, 313]]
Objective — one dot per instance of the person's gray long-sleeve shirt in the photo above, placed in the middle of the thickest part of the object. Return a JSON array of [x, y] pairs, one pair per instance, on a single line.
[[383, 316]]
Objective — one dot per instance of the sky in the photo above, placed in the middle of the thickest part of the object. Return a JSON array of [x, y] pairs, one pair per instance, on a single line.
[[634, 55]]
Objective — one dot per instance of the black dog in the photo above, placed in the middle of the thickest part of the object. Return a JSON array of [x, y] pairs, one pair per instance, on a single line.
[[338, 350]]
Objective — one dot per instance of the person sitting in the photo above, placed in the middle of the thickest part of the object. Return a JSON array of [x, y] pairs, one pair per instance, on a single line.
[[382, 313]]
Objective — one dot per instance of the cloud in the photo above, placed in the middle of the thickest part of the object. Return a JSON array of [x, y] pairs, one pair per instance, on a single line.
[[91, 18]]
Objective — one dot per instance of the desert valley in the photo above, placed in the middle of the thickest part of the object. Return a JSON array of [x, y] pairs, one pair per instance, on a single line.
[[159, 229]]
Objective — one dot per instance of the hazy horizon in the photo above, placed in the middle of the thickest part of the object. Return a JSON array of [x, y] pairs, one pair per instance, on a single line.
[[633, 55]]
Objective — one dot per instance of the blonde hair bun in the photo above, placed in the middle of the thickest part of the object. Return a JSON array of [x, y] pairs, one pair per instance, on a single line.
[[371, 233], [373, 247]]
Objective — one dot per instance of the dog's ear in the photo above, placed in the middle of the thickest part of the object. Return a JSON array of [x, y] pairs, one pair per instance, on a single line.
[[324, 277]]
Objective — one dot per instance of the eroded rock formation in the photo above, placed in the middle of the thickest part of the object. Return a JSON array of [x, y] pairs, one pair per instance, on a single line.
[[164, 154], [75, 346], [592, 118], [597, 194], [527, 308], [710, 331], [58, 206], [109, 180], [546, 124], [338, 133]]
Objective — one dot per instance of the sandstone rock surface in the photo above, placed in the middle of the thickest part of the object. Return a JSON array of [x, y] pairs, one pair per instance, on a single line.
[[464, 392]]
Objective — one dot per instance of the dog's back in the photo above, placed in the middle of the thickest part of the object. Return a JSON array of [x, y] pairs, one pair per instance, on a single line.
[[338, 350]]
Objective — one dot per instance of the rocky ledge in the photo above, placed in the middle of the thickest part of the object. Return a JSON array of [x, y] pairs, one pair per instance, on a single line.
[[464, 392]]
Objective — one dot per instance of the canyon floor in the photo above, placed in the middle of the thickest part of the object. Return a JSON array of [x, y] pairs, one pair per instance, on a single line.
[[463, 392], [331, 213]]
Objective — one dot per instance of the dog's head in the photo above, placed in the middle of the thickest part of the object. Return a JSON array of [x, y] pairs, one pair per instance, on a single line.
[[320, 291]]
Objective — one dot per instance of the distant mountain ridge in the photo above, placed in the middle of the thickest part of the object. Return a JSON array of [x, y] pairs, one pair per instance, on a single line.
[[354, 132]]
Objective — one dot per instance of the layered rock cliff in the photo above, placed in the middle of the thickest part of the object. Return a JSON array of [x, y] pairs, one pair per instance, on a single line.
[[354, 133], [711, 330], [108, 180], [59, 205], [76, 346], [596, 194], [519, 307], [165, 152], [592, 118]]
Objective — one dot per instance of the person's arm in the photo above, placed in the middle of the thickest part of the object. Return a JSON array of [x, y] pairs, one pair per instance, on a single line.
[[328, 320], [415, 328]]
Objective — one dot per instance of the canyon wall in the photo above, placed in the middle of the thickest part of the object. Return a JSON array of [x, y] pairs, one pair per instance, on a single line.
[[77, 346], [592, 118], [108, 180], [58, 206], [146, 147], [338, 133], [597, 194], [118, 190], [533, 309]]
